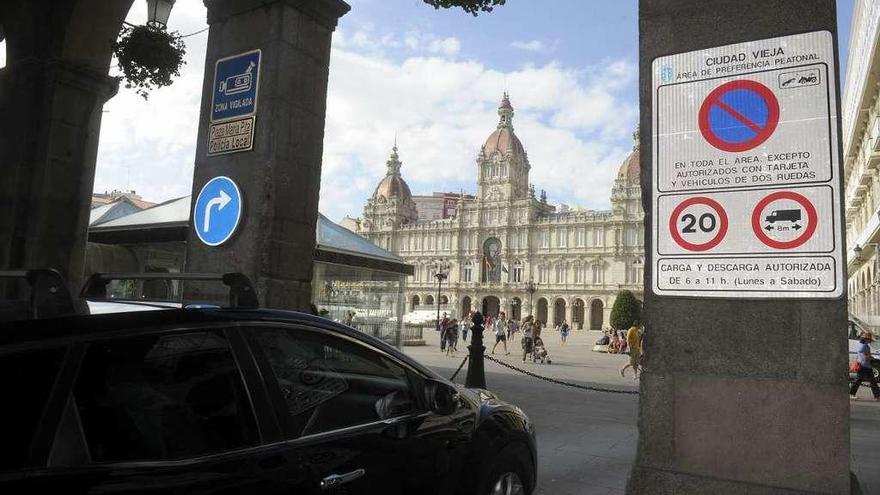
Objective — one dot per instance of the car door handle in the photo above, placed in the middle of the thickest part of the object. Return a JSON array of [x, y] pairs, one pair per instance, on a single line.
[[335, 480]]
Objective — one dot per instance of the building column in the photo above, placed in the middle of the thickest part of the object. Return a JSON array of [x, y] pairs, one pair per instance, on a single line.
[[48, 145], [280, 178]]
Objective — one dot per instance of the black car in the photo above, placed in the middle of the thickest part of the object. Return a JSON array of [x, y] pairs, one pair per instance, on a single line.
[[209, 400]]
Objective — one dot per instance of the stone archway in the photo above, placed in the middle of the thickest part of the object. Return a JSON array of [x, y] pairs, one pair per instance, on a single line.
[[516, 308], [491, 306], [429, 300], [558, 311], [416, 301], [541, 313], [577, 314], [444, 299], [465, 307], [597, 314]]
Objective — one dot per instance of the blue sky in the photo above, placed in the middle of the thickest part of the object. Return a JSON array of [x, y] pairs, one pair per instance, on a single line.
[[433, 77]]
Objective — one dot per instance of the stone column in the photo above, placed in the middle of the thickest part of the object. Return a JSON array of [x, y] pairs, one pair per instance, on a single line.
[[721, 410], [281, 177], [48, 144]]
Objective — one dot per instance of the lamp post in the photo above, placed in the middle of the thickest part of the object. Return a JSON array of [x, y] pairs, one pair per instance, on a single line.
[[158, 12], [577, 311], [513, 305], [531, 288], [440, 275]]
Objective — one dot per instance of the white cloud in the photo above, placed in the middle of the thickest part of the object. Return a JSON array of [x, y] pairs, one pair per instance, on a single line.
[[574, 123], [529, 46], [149, 146], [446, 46]]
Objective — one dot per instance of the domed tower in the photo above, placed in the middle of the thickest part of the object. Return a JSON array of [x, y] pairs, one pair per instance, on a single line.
[[391, 205], [626, 194], [502, 163]]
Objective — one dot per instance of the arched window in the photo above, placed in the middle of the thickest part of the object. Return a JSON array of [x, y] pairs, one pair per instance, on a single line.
[[517, 271], [468, 272]]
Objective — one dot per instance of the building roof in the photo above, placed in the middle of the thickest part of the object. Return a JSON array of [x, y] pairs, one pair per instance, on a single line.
[[393, 185], [337, 243], [111, 211], [175, 211], [503, 139], [630, 170]]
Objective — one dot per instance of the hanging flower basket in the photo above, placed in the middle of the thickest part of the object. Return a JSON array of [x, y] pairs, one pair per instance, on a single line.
[[148, 57]]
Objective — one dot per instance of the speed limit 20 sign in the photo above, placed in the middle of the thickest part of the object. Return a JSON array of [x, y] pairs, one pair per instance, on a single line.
[[746, 171]]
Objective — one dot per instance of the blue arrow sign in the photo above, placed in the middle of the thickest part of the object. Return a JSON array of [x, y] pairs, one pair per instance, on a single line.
[[236, 81], [217, 211]]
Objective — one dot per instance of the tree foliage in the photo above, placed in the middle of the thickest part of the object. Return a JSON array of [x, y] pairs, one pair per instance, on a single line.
[[627, 310], [472, 7], [148, 57]]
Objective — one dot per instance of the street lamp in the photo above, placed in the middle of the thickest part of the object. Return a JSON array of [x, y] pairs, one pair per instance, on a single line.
[[440, 275], [577, 312], [857, 251], [531, 288], [158, 12], [513, 305]]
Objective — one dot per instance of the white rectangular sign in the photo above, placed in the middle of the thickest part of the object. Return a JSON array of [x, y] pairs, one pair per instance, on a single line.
[[746, 199]]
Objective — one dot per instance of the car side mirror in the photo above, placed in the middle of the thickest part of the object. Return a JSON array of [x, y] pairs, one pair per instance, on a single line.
[[442, 397]]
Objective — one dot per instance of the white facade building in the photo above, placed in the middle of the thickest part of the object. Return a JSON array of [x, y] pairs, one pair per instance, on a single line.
[[861, 149], [504, 238]]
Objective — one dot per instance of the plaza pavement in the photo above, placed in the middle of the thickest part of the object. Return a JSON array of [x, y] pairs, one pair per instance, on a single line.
[[587, 440]]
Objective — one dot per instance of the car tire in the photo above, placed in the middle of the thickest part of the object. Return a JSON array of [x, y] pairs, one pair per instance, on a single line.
[[511, 473]]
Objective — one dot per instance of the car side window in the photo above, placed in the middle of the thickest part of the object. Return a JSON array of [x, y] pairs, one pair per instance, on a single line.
[[161, 397], [329, 382], [26, 379]]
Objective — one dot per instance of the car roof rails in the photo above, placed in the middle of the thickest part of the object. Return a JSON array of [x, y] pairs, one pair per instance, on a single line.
[[49, 296], [241, 291]]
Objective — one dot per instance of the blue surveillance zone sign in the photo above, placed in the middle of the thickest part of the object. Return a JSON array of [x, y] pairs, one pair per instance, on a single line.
[[236, 81], [217, 211]]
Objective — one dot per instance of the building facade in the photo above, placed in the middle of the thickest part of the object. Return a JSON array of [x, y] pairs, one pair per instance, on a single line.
[[861, 150], [505, 241], [439, 205]]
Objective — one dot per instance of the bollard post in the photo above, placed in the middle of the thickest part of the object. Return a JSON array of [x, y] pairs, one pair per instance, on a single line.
[[476, 373]]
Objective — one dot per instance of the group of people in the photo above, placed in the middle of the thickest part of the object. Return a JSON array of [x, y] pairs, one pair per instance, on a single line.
[[615, 342], [504, 329]]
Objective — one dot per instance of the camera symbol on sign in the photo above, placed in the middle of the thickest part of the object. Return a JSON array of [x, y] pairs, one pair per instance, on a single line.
[[238, 83]]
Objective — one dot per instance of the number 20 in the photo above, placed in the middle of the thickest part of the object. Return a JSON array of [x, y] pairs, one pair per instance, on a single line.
[[707, 223]]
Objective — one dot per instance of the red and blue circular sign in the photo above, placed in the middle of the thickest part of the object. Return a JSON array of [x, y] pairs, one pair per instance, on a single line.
[[739, 115]]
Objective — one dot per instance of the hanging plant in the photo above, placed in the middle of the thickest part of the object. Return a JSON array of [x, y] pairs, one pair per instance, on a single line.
[[148, 57]]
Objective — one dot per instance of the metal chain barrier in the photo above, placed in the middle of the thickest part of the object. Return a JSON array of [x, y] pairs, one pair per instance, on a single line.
[[460, 366], [557, 381]]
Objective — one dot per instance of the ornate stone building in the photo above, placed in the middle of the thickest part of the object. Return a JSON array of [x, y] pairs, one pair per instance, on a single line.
[[505, 238]]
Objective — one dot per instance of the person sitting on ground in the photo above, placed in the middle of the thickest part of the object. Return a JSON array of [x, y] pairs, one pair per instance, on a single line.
[[604, 340], [614, 346]]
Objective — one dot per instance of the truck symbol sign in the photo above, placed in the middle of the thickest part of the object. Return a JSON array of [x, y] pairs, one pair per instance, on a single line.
[[784, 216], [238, 83]]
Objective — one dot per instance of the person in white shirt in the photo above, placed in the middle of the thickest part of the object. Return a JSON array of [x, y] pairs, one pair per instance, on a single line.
[[500, 327]]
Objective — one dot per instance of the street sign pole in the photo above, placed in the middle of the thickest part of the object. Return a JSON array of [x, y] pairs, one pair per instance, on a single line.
[[745, 301], [261, 130]]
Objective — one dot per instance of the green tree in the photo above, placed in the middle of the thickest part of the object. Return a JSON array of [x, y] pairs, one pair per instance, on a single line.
[[627, 310], [472, 7]]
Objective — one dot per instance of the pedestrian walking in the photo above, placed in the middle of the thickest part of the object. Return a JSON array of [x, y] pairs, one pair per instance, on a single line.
[[441, 327], [528, 329], [865, 370], [465, 325], [634, 344], [500, 327], [563, 331], [451, 336], [512, 328]]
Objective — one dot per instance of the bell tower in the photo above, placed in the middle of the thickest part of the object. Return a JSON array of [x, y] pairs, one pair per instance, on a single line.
[[502, 164]]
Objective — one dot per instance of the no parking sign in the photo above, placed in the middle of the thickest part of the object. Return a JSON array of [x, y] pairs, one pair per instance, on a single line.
[[746, 171]]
